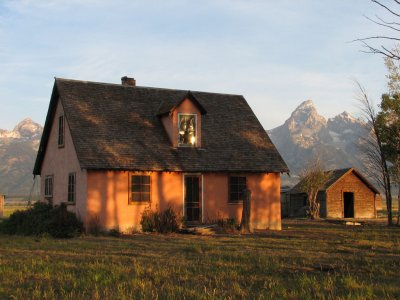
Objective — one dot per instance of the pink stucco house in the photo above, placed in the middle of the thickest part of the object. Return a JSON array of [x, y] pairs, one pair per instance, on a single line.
[[111, 150]]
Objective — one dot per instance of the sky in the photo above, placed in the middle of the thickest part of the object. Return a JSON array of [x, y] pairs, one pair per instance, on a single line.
[[274, 53]]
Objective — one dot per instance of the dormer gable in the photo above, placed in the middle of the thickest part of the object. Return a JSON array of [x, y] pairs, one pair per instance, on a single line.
[[182, 121]]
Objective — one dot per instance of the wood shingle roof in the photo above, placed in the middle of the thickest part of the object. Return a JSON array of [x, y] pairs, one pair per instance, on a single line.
[[118, 127], [335, 176]]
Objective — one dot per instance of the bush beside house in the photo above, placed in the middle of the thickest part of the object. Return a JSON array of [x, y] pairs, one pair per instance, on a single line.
[[43, 218]]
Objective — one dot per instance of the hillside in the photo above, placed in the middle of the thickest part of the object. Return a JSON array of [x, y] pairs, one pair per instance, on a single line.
[[17, 156]]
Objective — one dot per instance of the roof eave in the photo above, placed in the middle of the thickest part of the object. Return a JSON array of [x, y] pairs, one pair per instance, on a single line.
[[46, 130]]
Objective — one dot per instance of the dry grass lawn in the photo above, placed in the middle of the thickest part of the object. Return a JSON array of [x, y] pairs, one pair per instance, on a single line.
[[306, 260]]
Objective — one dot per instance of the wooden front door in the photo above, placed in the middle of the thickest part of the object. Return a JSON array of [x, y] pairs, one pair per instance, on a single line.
[[193, 198]]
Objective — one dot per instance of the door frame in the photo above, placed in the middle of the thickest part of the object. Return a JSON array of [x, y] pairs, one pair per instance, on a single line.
[[201, 187]]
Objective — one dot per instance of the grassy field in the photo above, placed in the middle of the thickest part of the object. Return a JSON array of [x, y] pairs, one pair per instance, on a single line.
[[9, 209], [306, 260]]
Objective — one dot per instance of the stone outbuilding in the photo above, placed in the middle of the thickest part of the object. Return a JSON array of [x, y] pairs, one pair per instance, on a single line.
[[347, 194]]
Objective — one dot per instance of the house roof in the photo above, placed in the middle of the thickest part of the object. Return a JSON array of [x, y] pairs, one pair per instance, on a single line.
[[336, 175], [118, 127], [169, 105]]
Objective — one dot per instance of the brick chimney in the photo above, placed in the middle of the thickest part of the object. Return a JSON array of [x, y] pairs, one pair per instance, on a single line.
[[128, 81]]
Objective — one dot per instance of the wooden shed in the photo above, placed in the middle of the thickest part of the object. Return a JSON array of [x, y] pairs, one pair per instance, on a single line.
[[347, 194]]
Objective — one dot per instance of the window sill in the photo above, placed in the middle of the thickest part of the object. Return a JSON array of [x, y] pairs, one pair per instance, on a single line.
[[69, 203], [235, 203], [138, 202]]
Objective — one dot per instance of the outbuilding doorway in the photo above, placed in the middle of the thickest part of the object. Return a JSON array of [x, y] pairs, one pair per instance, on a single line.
[[348, 205]]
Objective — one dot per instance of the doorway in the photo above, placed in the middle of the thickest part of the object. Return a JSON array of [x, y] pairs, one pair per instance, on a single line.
[[192, 198], [348, 207]]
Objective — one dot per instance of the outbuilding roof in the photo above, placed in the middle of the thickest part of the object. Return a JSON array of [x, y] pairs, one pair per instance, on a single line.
[[118, 127], [335, 176]]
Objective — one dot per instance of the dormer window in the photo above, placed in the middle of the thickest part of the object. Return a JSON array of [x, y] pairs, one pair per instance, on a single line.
[[187, 124]]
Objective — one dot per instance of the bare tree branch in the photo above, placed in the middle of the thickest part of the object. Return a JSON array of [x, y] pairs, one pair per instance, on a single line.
[[384, 24], [387, 8], [382, 50], [387, 53]]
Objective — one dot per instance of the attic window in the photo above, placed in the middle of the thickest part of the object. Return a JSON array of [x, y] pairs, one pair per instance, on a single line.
[[187, 129], [61, 131]]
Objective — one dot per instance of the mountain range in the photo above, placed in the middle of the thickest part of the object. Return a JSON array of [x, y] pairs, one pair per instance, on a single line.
[[306, 134], [18, 150]]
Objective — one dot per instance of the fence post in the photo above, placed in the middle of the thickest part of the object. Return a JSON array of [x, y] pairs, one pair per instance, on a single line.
[[1, 206], [245, 223]]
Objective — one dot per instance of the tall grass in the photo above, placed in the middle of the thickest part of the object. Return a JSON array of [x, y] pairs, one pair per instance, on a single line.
[[305, 261]]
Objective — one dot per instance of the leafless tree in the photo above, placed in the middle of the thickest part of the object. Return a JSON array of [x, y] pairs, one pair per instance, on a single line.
[[312, 179], [373, 149], [392, 25]]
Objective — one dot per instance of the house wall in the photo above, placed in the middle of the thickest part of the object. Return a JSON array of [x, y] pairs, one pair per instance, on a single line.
[[59, 162], [364, 198], [108, 193], [171, 122], [265, 199], [107, 198], [378, 202]]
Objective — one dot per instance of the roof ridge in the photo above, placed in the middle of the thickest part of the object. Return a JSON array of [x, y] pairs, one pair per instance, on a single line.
[[144, 87]]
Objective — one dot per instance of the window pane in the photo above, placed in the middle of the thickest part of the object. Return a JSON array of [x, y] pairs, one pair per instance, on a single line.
[[61, 130], [140, 188], [71, 187], [135, 197], [234, 180], [242, 180], [187, 130], [145, 196], [234, 197], [237, 184], [145, 179], [135, 180], [135, 188]]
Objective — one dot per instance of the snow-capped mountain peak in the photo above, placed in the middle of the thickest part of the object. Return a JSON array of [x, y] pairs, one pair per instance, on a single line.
[[306, 133], [305, 115], [18, 150], [26, 129]]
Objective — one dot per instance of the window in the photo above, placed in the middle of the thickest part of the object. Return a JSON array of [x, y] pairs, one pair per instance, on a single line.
[[71, 187], [140, 188], [236, 186], [60, 131], [48, 187], [187, 129]]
